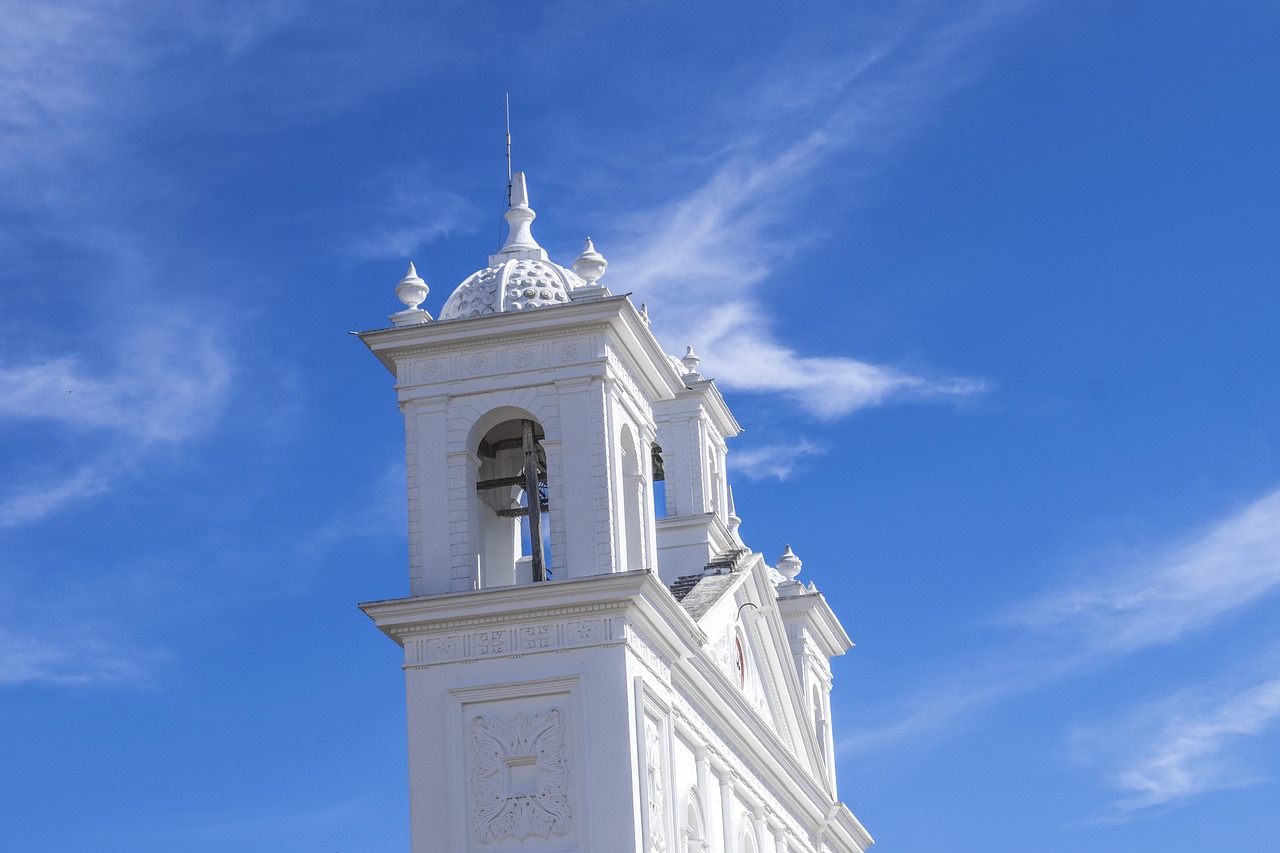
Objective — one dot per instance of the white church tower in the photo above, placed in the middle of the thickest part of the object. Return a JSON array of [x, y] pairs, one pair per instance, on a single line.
[[583, 675]]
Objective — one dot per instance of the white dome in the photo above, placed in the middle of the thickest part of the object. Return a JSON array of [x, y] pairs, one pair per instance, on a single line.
[[520, 276], [516, 284]]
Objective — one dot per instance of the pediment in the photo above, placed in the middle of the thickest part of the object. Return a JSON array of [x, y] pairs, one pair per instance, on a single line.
[[737, 608]]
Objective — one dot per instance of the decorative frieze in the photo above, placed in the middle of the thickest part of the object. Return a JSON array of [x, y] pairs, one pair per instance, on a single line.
[[499, 641]]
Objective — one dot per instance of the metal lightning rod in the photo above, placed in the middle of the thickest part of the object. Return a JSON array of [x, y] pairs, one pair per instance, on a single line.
[[508, 94], [507, 202]]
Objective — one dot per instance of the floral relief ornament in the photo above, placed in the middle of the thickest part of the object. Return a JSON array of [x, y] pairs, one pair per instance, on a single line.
[[429, 370], [520, 779]]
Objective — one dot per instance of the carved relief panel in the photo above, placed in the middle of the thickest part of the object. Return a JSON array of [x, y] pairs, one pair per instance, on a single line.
[[516, 786], [519, 776]]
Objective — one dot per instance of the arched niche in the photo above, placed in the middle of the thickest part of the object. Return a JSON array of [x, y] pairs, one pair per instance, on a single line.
[[820, 725], [635, 500], [695, 833]]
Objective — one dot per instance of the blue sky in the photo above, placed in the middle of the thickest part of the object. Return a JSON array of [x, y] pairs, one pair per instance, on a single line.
[[992, 286]]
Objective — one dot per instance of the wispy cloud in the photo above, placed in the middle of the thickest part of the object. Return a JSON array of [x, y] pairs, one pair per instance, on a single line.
[[73, 658], [32, 502], [1140, 604], [1186, 744], [165, 384], [776, 461], [411, 214], [702, 258], [1184, 588]]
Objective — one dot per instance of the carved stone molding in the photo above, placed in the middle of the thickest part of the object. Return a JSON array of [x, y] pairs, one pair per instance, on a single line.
[[742, 771], [520, 776], [648, 655], [657, 796]]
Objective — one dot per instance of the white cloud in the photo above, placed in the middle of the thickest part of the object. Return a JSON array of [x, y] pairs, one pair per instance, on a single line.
[[1171, 750], [165, 384], [413, 214], [702, 257], [33, 502], [74, 657], [1184, 588], [1187, 744], [777, 461]]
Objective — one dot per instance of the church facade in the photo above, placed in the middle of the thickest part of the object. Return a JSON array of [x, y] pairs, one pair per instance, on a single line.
[[594, 660]]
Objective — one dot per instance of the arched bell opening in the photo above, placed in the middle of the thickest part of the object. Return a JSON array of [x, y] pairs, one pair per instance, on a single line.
[[511, 487]]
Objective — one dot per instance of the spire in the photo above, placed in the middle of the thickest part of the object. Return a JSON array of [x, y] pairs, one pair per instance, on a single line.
[[520, 244]]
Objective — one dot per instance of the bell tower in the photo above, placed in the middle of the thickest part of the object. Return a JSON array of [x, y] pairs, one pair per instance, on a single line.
[[580, 673]]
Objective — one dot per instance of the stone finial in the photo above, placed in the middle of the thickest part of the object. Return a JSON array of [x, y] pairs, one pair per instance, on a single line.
[[520, 244], [590, 265], [789, 564], [644, 313], [411, 289], [691, 362]]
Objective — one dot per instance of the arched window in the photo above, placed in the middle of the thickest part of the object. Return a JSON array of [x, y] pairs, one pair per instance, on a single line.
[[511, 487]]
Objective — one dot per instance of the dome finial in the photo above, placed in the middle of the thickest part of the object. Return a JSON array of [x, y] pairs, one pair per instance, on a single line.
[[412, 290], [520, 244], [691, 362], [590, 265], [789, 564]]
